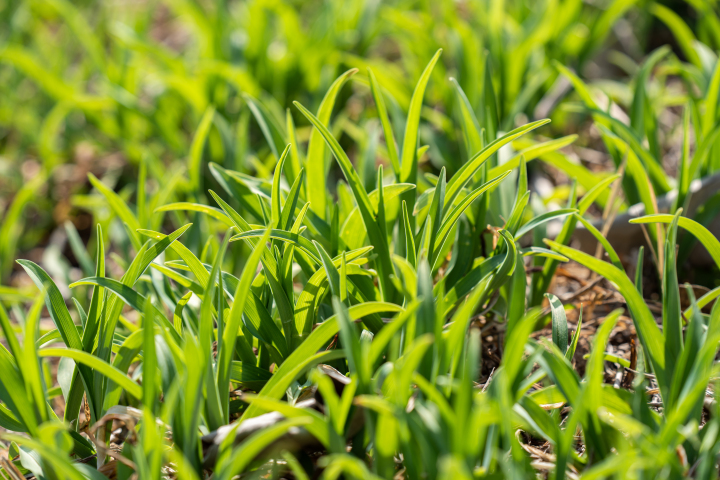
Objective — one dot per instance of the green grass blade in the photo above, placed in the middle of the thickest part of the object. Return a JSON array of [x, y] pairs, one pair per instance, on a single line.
[[683, 33], [197, 147], [213, 212], [452, 216], [383, 338], [672, 321], [295, 239], [272, 137], [711, 243], [97, 365], [127, 295], [55, 304], [13, 393], [177, 314], [30, 366], [276, 201], [648, 330], [410, 252], [288, 209], [305, 355], [305, 304], [315, 162], [150, 361], [703, 301], [576, 337], [532, 152], [614, 258], [540, 219], [385, 122], [559, 323], [78, 248], [294, 167], [351, 232], [331, 270], [384, 264], [408, 159], [639, 106], [225, 355], [469, 122], [467, 171], [237, 189], [435, 215], [120, 208], [9, 333], [541, 282]]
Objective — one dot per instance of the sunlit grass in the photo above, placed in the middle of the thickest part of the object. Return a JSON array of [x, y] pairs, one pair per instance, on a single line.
[[333, 249]]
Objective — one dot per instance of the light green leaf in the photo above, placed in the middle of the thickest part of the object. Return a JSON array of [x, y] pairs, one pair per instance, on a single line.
[[711, 243], [315, 162], [97, 365]]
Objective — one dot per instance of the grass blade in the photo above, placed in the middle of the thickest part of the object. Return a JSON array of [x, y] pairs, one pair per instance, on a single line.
[[647, 329], [711, 243], [384, 264], [315, 162], [235, 318]]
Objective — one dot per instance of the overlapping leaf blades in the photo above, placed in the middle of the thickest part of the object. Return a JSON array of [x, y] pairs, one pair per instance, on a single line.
[[213, 320]]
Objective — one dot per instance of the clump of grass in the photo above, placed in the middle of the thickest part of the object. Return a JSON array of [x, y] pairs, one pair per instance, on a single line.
[[354, 318], [341, 270]]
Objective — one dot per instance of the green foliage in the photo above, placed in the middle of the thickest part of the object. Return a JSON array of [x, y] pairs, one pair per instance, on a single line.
[[314, 261]]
